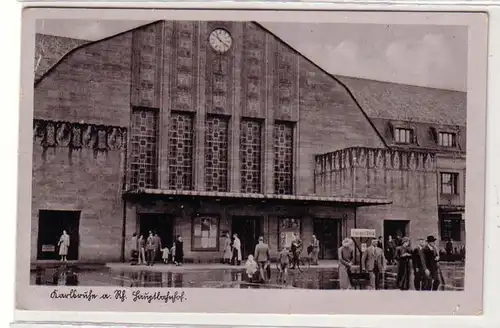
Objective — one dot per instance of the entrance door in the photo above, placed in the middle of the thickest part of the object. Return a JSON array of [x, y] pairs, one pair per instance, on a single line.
[[395, 229], [162, 224], [249, 230], [50, 227], [329, 234]]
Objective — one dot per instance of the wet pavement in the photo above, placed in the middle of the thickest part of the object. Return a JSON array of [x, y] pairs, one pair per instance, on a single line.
[[232, 277]]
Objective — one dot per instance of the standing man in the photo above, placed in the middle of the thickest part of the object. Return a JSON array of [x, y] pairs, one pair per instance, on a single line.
[[373, 262], [431, 258], [419, 266], [157, 243], [150, 249], [262, 258]]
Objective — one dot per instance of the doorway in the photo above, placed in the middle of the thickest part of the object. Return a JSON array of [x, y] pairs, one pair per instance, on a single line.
[[328, 232], [50, 227], [395, 229], [162, 224], [249, 230]]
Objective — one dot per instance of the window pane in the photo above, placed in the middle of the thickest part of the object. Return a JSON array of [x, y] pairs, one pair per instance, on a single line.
[[446, 139], [216, 153], [449, 183], [403, 135], [451, 227], [144, 149], [283, 158], [250, 155], [181, 152]]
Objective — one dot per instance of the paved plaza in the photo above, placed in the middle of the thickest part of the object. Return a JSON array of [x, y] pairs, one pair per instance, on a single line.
[[324, 276]]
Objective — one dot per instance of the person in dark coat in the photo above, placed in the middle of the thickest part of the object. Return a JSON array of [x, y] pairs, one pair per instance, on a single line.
[[390, 250], [418, 264], [431, 271], [179, 251], [403, 256]]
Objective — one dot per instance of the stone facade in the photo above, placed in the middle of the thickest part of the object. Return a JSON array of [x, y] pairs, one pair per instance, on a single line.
[[157, 109]]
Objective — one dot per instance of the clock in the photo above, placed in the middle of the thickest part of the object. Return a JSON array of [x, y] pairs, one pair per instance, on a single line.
[[220, 40]]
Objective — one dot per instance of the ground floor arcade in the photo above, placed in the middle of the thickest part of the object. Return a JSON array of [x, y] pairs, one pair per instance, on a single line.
[[203, 221]]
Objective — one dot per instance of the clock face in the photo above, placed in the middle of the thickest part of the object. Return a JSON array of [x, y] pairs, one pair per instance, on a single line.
[[220, 40]]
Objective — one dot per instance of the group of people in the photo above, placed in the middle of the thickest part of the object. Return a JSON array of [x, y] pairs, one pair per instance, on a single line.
[[258, 264], [232, 249], [145, 250], [422, 262]]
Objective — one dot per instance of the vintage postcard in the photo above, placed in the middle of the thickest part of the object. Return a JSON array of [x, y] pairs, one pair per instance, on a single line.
[[252, 162]]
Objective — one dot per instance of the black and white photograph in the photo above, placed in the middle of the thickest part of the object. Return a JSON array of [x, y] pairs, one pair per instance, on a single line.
[[245, 154]]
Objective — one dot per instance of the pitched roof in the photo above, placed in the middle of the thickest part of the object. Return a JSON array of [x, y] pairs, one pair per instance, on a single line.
[[394, 101]]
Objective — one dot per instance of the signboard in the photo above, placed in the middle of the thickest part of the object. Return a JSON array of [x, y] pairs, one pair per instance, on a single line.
[[363, 233], [48, 248]]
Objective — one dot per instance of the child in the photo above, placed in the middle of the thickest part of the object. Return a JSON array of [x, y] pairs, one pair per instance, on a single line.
[[283, 263], [251, 267], [172, 253], [165, 253]]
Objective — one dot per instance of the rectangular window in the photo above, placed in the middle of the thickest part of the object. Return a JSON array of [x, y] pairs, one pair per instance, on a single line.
[[205, 233], [403, 135], [181, 149], [449, 183], [451, 227], [250, 155], [216, 153], [446, 139], [144, 149], [283, 158]]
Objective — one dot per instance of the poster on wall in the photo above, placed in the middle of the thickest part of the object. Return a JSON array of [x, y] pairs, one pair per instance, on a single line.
[[205, 229], [288, 227]]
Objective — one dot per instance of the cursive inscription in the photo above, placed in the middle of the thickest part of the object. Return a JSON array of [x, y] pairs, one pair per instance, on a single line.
[[121, 295]]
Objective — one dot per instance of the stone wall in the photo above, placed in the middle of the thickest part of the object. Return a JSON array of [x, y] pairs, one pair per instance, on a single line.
[[407, 179]]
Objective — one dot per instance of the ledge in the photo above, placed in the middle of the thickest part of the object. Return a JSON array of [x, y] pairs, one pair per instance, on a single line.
[[356, 201]]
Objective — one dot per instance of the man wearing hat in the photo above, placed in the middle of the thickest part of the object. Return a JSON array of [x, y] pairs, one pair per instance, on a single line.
[[431, 270]]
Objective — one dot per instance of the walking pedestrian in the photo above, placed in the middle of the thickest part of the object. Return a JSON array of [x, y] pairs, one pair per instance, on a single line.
[[236, 259], [390, 250], [262, 257], [150, 249], [157, 243], [64, 246], [431, 259], [226, 257], [142, 249], [346, 259], [403, 256], [296, 249], [314, 250], [373, 262], [134, 253], [284, 263], [179, 251], [418, 262]]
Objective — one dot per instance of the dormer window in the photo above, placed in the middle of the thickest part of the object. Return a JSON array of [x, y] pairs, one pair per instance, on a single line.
[[403, 135], [447, 139]]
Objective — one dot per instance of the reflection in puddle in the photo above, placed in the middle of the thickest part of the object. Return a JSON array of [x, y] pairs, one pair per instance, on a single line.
[[315, 278]]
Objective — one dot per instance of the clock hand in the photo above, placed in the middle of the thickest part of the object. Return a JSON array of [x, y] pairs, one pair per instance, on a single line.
[[224, 43]]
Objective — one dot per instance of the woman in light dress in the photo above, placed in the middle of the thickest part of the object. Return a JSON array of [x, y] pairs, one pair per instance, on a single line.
[[63, 246], [226, 257], [346, 259]]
